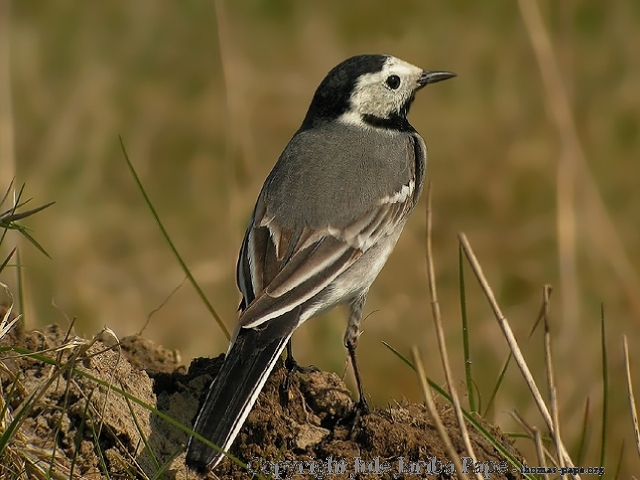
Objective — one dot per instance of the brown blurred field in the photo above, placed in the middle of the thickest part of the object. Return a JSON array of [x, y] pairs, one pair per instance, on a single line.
[[207, 94]]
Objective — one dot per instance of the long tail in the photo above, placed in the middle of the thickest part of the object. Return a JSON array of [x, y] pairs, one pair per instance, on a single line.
[[236, 388]]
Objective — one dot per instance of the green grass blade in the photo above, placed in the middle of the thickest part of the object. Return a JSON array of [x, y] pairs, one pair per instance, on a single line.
[[6, 401], [173, 248], [7, 192], [144, 438], [96, 443], [496, 387], [619, 463], [465, 334], [33, 241], [605, 388], [8, 259], [582, 446], [21, 291], [400, 356], [160, 472], [12, 210], [16, 201], [14, 217], [478, 396]]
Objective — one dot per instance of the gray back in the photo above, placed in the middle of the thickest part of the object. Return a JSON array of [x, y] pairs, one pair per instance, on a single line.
[[337, 172]]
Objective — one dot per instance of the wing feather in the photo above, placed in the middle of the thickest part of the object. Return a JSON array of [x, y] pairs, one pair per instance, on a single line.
[[286, 274]]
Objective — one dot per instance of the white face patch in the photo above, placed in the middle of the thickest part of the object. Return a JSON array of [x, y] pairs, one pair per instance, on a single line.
[[374, 93]]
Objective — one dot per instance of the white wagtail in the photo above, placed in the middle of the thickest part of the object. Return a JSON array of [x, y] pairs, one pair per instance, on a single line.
[[326, 220]]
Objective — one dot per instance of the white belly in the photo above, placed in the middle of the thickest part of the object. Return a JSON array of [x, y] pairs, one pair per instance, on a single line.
[[358, 278]]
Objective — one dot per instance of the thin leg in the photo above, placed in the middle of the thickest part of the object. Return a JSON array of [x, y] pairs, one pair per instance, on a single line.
[[351, 337], [290, 362]]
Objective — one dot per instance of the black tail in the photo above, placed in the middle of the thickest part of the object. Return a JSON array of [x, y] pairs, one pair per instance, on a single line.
[[234, 391]]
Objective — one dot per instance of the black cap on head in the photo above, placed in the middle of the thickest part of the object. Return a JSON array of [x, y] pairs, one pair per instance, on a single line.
[[332, 96]]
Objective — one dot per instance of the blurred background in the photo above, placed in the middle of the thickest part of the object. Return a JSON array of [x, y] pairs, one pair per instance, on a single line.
[[206, 94]]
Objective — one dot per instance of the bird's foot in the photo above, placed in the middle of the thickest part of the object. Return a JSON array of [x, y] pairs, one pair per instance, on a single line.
[[362, 406], [293, 367], [359, 410]]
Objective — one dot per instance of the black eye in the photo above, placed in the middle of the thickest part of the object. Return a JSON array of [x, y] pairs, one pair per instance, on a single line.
[[393, 81]]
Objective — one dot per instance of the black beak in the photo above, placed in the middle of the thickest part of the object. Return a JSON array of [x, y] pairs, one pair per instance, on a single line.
[[432, 77]]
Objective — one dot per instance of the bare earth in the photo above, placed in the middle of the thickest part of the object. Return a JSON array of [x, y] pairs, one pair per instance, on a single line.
[[313, 420]]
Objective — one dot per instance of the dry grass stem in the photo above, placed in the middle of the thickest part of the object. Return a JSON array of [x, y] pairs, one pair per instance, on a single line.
[[541, 311], [530, 430], [602, 230], [431, 406], [513, 344], [437, 320], [7, 149], [8, 167], [551, 383], [632, 398], [537, 438], [238, 130], [566, 174]]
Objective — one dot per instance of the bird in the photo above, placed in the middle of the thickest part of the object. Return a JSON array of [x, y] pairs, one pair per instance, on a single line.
[[323, 226]]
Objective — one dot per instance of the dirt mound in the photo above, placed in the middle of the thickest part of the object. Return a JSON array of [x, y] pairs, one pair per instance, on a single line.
[[79, 424]]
